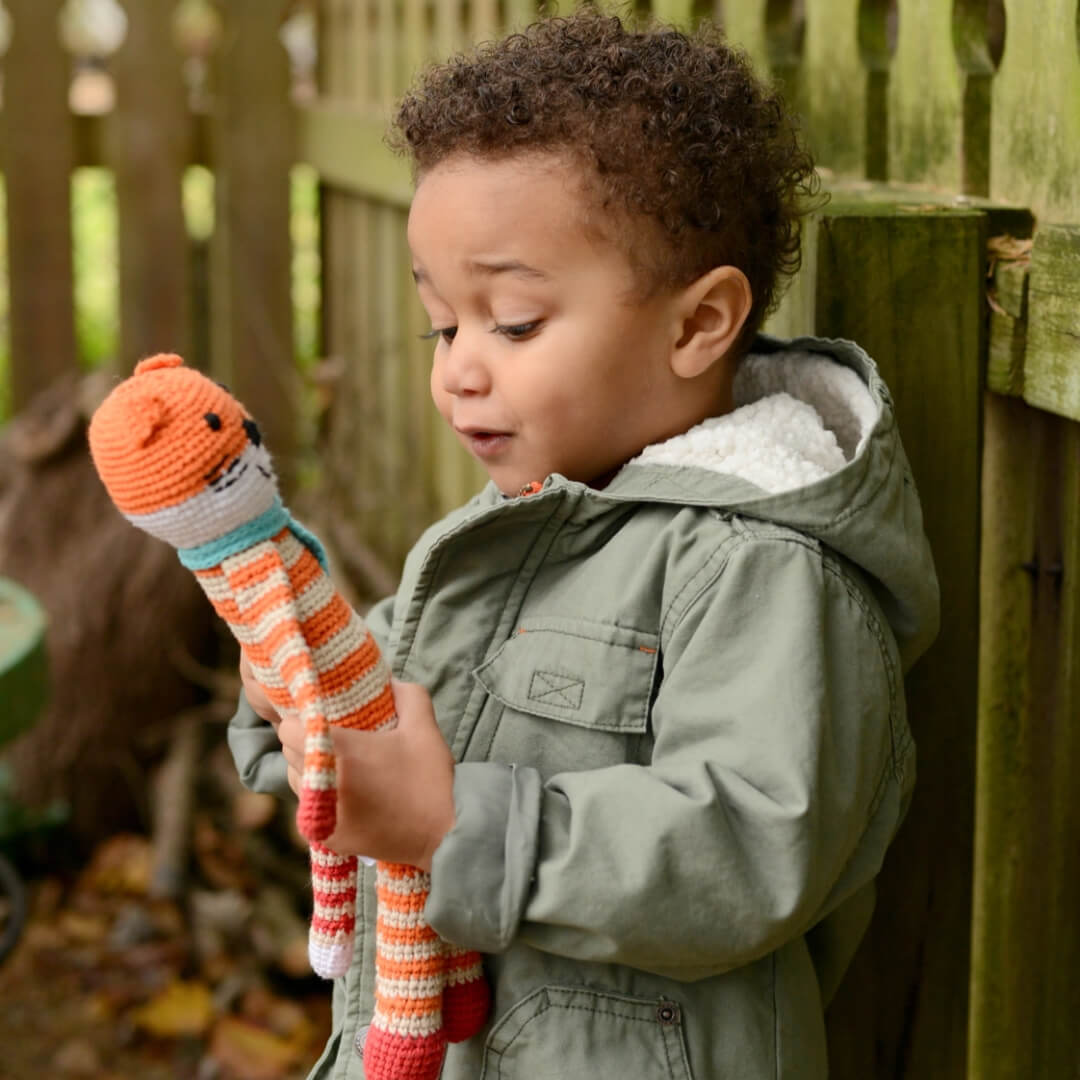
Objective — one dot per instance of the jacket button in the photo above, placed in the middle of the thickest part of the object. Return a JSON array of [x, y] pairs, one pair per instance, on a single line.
[[361, 1038], [667, 1012]]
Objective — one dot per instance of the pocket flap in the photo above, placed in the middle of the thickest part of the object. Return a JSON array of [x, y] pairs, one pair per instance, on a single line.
[[590, 674]]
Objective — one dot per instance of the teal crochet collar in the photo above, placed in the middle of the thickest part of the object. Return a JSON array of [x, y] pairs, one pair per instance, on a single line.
[[269, 523]]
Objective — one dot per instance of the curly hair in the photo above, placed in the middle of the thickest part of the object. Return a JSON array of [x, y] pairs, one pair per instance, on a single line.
[[674, 129]]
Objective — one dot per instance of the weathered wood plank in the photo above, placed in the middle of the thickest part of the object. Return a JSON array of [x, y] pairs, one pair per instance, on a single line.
[[833, 79], [744, 25], [38, 159], [1035, 329], [1008, 329], [1024, 994], [148, 143], [343, 141], [251, 253], [925, 98], [909, 287], [1052, 359], [1035, 149]]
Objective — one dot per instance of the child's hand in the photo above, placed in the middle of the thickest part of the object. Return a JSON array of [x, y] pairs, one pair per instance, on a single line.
[[395, 788], [255, 694]]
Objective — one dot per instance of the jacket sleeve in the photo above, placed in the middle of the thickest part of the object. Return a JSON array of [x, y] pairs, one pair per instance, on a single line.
[[252, 741], [777, 780]]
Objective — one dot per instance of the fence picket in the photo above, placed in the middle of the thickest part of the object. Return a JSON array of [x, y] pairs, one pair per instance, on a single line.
[[148, 144], [925, 98], [833, 77], [254, 149], [1035, 147], [38, 155]]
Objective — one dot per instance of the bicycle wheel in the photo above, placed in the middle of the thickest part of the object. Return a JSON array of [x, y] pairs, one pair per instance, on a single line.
[[12, 906]]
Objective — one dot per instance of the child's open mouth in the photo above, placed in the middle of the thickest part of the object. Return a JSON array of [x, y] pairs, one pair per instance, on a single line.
[[485, 444]]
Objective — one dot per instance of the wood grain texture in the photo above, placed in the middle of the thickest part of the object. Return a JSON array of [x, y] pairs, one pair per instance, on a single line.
[[908, 287], [38, 151], [1035, 127], [251, 255], [1024, 994], [148, 144]]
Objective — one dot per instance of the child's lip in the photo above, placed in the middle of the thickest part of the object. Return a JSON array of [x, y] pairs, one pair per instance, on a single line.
[[484, 442]]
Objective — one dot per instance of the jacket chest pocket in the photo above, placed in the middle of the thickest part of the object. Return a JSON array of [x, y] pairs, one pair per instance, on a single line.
[[570, 694], [567, 1033]]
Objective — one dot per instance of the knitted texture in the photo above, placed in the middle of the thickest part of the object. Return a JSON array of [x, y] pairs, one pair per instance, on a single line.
[[182, 460]]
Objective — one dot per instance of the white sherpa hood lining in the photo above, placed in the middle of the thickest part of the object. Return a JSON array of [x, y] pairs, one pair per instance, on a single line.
[[798, 417]]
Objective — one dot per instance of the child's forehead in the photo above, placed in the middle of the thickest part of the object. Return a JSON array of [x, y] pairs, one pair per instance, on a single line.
[[515, 198]]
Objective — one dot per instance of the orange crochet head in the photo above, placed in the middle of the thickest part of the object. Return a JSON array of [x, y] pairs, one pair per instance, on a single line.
[[166, 434]]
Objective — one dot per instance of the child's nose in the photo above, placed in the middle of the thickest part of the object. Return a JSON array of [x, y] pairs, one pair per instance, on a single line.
[[464, 369]]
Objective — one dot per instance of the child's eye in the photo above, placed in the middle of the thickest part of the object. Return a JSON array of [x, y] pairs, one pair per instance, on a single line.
[[517, 331], [445, 332]]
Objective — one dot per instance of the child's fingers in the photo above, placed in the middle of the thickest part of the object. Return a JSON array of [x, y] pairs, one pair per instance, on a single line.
[[412, 703], [255, 694]]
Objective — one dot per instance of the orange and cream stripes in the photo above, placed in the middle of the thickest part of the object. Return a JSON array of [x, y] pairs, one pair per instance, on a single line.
[[182, 459]]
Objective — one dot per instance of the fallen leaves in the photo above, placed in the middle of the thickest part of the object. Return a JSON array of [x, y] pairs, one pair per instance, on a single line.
[[110, 980], [182, 1008]]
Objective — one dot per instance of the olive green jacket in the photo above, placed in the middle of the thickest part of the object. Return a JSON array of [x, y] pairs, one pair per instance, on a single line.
[[677, 705]]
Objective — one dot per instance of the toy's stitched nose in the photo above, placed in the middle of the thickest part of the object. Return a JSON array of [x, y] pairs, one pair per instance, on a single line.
[[252, 430]]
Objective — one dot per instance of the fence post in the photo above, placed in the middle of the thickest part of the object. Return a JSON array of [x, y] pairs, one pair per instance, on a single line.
[[1024, 991], [38, 158], [902, 1011], [147, 145], [253, 144]]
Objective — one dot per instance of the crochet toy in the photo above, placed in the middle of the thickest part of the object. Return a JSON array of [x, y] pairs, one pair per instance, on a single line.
[[182, 460]]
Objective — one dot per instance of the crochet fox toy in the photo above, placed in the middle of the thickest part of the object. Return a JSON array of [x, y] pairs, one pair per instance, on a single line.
[[183, 460]]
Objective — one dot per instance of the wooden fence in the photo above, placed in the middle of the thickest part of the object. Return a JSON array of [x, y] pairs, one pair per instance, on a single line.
[[154, 131], [949, 134]]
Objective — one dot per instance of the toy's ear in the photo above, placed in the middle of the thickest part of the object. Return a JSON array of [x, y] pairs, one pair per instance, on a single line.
[[156, 363], [148, 419]]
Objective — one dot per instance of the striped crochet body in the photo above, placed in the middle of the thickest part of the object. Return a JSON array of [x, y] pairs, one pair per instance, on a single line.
[[317, 661]]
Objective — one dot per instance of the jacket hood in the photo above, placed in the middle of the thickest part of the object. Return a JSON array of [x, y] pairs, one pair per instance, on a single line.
[[812, 445]]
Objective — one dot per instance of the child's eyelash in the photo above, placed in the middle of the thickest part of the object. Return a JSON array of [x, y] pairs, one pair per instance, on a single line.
[[517, 330], [446, 332], [513, 331]]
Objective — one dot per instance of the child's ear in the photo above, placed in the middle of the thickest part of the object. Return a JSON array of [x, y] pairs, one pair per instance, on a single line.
[[712, 312]]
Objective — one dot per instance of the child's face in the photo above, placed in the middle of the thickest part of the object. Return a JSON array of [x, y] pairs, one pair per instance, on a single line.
[[543, 361]]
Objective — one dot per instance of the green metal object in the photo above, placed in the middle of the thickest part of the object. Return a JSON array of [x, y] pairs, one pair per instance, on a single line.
[[23, 664]]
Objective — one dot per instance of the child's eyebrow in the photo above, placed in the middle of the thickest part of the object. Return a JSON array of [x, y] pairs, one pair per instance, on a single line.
[[491, 267], [507, 266]]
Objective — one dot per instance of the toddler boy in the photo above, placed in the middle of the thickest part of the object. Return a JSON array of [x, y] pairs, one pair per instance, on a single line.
[[653, 744]]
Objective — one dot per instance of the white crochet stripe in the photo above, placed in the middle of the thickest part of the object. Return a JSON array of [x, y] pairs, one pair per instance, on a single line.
[[420, 950], [402, 920], [331, 886], [330, 962], [408, 886], [324, 858], [215, 511], [457, 976], [413, 1027], [428, 986], [346, 703]]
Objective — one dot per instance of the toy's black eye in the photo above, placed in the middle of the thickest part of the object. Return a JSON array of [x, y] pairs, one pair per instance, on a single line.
[[252, 430], [213, 421]]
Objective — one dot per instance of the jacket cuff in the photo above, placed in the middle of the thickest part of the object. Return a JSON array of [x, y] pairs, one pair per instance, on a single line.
[[483, 870], [257, 752]]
